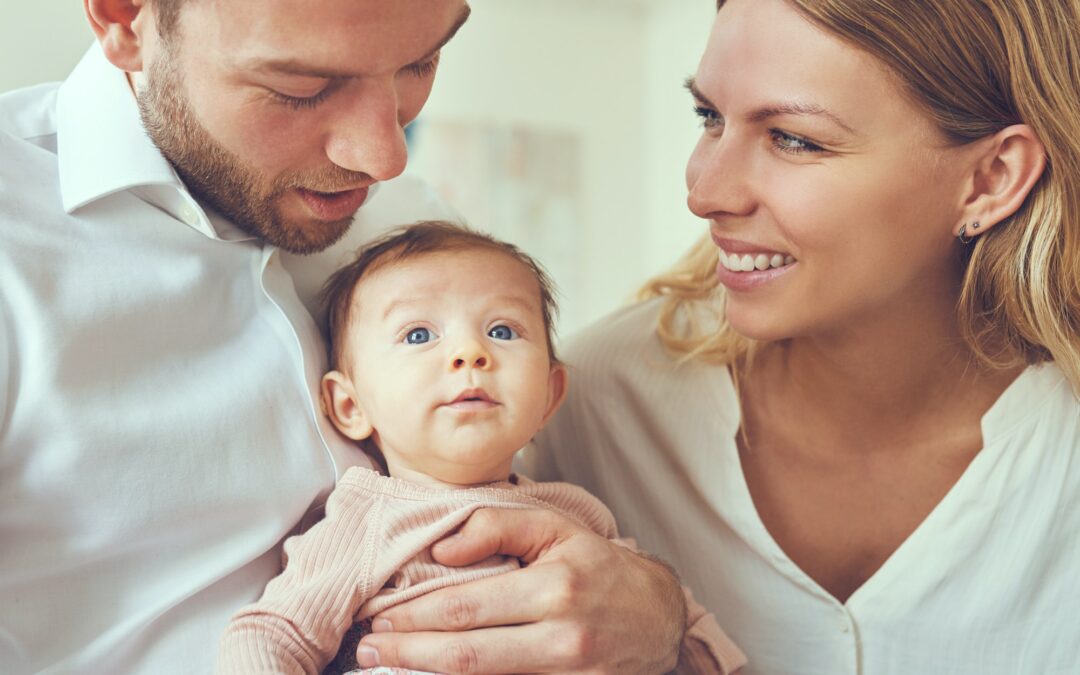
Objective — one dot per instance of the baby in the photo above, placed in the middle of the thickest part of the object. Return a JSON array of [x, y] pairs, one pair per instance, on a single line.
[[443, 367]]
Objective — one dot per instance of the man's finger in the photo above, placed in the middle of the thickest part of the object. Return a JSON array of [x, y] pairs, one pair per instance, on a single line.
[[514, 649], [516, 597], [522, 533]]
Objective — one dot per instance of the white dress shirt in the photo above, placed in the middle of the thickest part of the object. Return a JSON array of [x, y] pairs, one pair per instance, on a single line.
[[159, 426], [989, 583]]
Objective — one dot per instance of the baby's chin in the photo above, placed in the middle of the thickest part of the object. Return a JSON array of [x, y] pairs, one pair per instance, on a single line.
[[453, 472]]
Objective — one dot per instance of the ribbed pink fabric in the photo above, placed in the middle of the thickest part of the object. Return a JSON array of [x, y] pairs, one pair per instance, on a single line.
[[371, 552]]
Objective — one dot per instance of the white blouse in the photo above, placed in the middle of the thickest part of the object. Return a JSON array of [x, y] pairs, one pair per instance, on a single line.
[[988, 583]]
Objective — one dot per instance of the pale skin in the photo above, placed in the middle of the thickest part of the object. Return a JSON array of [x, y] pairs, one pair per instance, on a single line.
[[865, 407], [241, 85], [446, 366]]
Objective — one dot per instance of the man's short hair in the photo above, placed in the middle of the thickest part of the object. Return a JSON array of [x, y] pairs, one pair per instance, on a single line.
[[411, 241]]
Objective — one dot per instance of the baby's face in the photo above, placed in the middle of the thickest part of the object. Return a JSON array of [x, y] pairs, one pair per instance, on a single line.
[[448, 358]]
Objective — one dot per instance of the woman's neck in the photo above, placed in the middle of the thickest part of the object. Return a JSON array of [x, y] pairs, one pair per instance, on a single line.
[[898, 380]]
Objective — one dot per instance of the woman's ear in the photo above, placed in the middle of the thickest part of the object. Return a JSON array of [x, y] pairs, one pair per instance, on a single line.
[[119, 26], [1010, 163], [340, 405], [558, 379]]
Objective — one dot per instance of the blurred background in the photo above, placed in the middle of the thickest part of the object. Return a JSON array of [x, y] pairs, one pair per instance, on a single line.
[[560, 125]]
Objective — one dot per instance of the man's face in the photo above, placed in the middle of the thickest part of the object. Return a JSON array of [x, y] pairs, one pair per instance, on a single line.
[[281, 114]]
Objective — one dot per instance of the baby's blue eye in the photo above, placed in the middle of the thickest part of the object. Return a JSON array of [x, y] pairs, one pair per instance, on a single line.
[[418, 336], [503, 332]]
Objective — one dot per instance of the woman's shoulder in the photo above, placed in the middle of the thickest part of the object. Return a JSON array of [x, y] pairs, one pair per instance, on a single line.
[[1040, 405], [623, 351], [606, 343]]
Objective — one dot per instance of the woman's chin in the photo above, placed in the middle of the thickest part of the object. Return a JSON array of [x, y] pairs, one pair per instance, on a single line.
[[759, 325]]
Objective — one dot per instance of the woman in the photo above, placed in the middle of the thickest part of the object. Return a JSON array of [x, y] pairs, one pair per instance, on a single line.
[[857, 437]]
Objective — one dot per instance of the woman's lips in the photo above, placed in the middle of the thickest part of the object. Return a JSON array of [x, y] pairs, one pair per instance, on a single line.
[[333, 206], [729, 270]]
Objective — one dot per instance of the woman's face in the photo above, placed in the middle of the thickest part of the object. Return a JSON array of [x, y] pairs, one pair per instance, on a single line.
[[816, 171]]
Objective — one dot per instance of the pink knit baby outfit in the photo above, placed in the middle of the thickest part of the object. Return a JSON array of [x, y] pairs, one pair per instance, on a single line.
[[371, 552]]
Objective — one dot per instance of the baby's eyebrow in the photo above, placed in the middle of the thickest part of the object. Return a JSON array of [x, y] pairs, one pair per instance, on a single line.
[[402, 303]]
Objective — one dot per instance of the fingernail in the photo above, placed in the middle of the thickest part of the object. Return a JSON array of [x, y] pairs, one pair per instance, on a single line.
[[367, 657], [448, 541], [382, 626]]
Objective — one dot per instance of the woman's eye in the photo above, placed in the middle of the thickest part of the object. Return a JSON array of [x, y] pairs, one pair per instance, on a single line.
[[710, 119], [503, 332], [418, 336], [793, 144]]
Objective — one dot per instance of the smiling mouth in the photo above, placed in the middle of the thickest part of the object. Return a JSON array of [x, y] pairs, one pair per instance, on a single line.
[[749, 262]]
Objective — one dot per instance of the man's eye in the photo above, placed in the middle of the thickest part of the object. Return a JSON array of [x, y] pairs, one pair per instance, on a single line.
[[418, 336], [300, 102], [503, 332]]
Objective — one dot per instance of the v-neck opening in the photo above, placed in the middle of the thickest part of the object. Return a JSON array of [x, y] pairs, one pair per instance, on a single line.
[[1012, 406]]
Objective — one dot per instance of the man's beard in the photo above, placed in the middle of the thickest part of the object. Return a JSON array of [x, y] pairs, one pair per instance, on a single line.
[[218, 178]]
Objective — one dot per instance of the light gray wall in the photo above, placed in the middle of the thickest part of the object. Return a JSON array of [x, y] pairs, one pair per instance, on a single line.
[[40, 40]]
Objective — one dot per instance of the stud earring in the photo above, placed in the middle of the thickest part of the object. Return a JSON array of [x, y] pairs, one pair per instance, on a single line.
[[963, 236]]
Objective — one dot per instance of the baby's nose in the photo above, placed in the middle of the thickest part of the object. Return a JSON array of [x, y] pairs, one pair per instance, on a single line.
[[471, 354]]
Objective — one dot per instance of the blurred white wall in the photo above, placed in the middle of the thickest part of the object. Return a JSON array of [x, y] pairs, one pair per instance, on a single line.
[[609, 72], [40, 41]]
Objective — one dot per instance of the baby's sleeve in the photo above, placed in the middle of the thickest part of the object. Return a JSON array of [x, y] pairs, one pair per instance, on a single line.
[[705, 648], [297, 625]]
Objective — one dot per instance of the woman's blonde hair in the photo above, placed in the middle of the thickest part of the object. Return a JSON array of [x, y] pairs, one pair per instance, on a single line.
[[976, 67]]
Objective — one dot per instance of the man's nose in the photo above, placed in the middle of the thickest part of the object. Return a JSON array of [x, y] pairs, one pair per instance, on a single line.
[[367, 136], [470, 354]]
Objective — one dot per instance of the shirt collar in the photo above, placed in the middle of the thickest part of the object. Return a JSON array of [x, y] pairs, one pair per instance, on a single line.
[[101, 145]]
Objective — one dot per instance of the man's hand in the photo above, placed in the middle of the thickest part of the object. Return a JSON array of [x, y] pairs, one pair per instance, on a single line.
[[582, 604]]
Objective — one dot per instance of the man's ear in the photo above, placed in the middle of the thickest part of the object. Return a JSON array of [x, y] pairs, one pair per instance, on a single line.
[[120, 27], [340, 405], [1007, 168], [558, 379]]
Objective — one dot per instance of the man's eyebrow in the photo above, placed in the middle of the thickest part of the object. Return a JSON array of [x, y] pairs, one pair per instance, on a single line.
[[772, 110], [302, 68], [462, 18]]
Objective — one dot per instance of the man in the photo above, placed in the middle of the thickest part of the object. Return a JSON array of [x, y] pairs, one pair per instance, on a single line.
[[154, 349]]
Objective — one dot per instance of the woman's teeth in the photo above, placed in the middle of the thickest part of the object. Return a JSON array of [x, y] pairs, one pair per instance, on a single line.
[[751, 263]]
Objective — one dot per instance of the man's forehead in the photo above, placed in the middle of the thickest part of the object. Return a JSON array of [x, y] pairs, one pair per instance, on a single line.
[[334, 38]]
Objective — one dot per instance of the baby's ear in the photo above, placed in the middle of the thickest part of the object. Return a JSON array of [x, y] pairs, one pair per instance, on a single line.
[[340, 405], [558, 379]]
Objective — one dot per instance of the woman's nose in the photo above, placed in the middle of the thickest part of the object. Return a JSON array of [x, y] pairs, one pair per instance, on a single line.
[[717, 180], [470, 354]]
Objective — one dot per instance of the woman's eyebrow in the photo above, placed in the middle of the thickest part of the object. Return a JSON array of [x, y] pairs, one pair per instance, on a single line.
[[773, 109], [796, 108], [691, 86]]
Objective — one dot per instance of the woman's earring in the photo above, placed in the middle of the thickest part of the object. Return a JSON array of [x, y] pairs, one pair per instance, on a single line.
[[963, 236]]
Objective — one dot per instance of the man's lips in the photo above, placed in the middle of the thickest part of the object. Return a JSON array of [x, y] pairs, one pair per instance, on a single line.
[[331, 206]]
